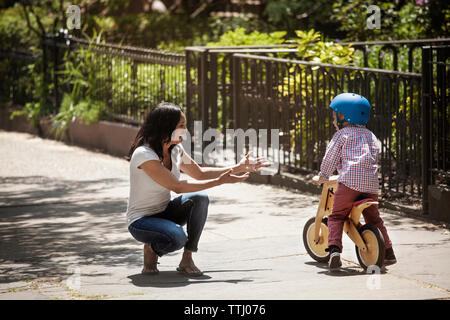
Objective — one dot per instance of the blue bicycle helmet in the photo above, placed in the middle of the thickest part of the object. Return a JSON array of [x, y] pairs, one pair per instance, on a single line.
[[354, 107]]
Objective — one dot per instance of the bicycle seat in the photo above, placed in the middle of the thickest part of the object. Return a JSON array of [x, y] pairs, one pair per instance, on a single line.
[[357, 203]]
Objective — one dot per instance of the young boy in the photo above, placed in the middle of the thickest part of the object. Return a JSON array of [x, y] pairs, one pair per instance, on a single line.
[[353, 151]]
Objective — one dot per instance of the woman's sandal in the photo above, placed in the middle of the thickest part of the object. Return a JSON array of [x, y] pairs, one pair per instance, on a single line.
[[183, 270], [153, 267]]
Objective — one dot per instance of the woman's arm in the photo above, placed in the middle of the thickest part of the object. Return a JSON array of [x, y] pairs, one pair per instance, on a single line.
[[190, 167], [161, 175]]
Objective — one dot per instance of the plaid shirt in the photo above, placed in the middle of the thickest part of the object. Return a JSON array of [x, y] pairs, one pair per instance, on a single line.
[[353, 151]]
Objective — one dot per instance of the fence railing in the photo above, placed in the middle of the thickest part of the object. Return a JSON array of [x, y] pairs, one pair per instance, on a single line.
[[209, 81], [293, 96], [128, 80], [399, 55]]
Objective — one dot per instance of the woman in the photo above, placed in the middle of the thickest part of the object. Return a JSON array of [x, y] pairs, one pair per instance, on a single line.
[[156, 158]]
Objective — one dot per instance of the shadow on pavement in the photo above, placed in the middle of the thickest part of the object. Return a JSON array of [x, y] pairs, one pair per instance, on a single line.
[[42, 240], [344, 271], [171, 279], [27, 190]]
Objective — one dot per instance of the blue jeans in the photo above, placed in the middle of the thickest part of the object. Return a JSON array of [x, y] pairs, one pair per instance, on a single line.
[[164, 231]]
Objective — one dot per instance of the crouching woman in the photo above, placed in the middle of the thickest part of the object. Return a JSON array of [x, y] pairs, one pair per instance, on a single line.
[[156, 159]]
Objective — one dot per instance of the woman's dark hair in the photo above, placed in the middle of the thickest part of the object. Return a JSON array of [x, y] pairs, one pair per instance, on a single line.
[[158, 126]]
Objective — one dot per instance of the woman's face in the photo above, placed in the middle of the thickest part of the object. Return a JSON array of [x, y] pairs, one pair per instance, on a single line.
[[180, 130], [182, 123]]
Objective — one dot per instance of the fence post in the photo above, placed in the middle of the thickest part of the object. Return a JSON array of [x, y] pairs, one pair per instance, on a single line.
[[109, 85], [236, 86], [426, 126], [212, 90], [55, 70], [203, 83], [134, 90], [44, 60], [58, 39], [235, 98], [189, 88]]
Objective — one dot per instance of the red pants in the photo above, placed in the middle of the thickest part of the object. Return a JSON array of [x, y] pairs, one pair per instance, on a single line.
[[343, 203]]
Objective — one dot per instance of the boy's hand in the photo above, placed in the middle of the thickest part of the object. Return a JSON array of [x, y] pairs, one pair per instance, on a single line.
[[318, 180]]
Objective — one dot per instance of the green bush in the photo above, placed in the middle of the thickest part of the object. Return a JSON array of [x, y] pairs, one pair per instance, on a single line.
[[312, 48], [291, 15], [39, 90], [13, 29], [83, 75], [399, 20], [86, 111], [240, 37]]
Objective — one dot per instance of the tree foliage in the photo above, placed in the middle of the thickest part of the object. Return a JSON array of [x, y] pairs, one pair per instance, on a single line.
[[399, 19]]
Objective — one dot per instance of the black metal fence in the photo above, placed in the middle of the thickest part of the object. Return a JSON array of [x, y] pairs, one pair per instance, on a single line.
[[209, 81], [399, 55], [209, 77], [15, 75], [267, 87], [129, 81], [254, 87], [436, 117], [293, 96]]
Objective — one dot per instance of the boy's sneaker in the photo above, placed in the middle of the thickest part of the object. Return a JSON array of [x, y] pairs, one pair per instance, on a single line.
[[389, 257], [335, 258]]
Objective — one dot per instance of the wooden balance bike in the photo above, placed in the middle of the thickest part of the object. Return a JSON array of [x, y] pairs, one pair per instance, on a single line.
[[369, 243]]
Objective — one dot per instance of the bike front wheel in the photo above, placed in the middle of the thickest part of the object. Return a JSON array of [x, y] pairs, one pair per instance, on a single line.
[[316, 250]]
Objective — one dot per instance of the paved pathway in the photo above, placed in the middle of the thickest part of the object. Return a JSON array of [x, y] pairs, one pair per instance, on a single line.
[[63, 236]]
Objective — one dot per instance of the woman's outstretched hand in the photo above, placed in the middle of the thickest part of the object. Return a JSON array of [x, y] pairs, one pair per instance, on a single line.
[[248, 164], [227, 177]]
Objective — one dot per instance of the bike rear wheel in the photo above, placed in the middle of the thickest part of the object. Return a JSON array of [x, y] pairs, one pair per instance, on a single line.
[[374, 255]]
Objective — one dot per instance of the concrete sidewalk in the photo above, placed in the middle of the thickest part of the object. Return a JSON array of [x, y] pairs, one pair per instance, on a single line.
[[63, 235]]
